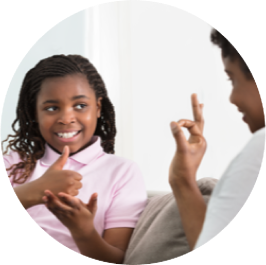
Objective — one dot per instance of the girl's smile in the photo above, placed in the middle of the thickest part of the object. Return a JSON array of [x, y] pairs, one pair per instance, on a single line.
[[67, 112], [68, 136]]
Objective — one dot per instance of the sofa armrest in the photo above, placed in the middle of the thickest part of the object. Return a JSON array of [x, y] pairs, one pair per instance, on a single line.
[[206, 185], [152, 193], [159, 234]]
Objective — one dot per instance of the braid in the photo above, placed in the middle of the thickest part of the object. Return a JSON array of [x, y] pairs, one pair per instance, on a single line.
[[105, 128], [27, 140]]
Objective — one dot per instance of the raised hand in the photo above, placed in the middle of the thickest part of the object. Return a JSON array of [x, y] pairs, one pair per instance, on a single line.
[[189, 153], [58, 180], [72, 212]]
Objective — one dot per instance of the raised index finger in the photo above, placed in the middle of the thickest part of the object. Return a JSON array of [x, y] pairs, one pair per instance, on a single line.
[[197, 113]]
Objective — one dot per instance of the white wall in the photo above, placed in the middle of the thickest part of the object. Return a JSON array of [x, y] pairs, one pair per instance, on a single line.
[[109, 49], [65, 38], [152, 57], [172, 57]]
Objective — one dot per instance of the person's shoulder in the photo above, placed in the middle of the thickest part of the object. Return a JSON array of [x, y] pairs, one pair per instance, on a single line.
[[240, 176], [259, 135], [11, 158], [123, 168], [125, 173], [256, 143], [118, 161], [251, 156], [12, 155]]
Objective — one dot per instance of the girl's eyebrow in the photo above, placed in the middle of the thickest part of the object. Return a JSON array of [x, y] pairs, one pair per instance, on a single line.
[[56, 101]]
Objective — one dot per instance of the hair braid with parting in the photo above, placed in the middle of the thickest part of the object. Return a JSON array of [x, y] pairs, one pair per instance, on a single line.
[[27, 140]]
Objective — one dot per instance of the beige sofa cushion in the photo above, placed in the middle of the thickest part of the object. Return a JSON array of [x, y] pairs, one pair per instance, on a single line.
[[159, 234]]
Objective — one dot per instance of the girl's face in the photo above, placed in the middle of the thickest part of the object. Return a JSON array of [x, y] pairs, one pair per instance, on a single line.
[[67, 112], [245, 95]]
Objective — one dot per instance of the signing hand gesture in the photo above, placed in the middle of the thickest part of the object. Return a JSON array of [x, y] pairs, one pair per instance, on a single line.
[[189, 153], [58, 180], [72, 212]]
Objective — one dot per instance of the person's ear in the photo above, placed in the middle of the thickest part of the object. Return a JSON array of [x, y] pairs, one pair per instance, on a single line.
[[99, 107]]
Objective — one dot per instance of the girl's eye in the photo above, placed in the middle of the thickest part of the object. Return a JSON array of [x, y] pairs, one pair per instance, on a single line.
[[50, 108], [82, 105]]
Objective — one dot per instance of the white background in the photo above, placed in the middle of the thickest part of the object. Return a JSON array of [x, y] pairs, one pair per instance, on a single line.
[[152, 57]]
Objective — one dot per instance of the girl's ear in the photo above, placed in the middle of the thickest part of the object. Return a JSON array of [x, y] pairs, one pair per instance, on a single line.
[[99, 107]]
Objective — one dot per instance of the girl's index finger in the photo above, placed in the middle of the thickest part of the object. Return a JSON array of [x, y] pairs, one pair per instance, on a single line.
[[69, 200], [58, 207]]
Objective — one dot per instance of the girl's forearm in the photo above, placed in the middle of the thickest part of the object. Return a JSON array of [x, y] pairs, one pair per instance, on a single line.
[[192, 208], [94, 246], [28, 194]]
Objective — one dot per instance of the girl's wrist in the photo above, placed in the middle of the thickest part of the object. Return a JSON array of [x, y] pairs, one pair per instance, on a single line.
[[28, 194], [82, 235], [37, 192]]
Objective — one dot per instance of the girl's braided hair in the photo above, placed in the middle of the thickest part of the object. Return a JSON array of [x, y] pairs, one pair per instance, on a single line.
[[27, 140], [228, 50]]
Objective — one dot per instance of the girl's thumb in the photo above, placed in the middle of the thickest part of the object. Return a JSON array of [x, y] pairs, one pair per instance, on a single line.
[[94, 208], [63, 150], [95, 197], [60, 162], [174, 127], [92, 205]]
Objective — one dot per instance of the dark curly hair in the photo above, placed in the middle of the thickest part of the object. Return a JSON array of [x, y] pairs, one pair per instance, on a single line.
[[27, 140], [228, 50]]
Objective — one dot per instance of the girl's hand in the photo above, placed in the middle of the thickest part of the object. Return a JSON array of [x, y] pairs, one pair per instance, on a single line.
[[73, 213], [189, 152], [58, 180]]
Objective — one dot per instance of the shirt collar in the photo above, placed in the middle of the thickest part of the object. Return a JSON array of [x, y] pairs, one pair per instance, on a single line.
[[86, 156]]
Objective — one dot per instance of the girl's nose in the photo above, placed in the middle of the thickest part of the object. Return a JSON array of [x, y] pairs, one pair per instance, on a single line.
[[66, 117]]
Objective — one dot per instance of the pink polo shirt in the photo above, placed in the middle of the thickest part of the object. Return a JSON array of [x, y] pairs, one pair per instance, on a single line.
[[118, 182]]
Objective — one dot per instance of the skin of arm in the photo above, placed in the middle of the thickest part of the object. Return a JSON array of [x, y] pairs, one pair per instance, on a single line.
[[192, 208], [55, 179], [27, 195], [109, 248], [183, 169], [78, 218]]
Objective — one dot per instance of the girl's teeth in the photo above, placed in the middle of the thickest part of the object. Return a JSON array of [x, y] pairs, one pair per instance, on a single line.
[[67, 135]]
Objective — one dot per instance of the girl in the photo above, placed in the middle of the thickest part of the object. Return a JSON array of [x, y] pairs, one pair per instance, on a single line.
[[63, 148]]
